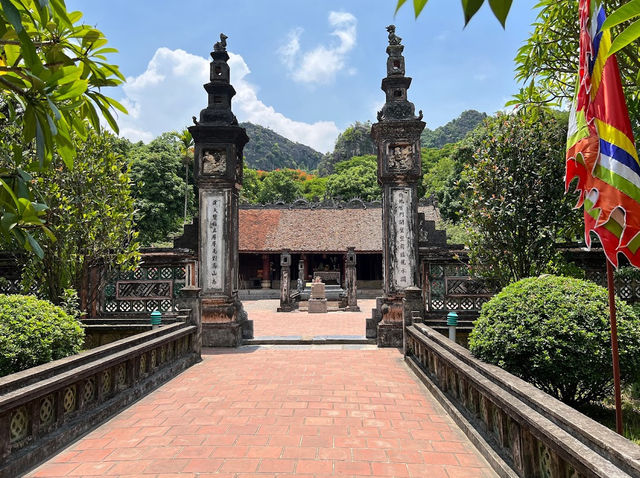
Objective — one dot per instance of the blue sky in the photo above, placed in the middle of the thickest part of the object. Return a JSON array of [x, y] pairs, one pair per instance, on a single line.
[[305, 68]]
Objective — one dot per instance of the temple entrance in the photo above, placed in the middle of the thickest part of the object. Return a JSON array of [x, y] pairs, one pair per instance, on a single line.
[[317, 246]]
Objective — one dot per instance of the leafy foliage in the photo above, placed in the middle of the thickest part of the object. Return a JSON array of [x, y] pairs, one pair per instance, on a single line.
[[500, 8], [33, 332], [554, 332], [355, 178], [90, 213], [186, 145], [624, 14], [443, 177], [52, 71], [353, 141], [279, 185], [548, 61], [453, 131], [268, 150], [158, 188], [515, 201]]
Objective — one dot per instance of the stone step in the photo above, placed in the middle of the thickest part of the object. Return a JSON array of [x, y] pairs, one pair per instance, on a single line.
[[310, 340]]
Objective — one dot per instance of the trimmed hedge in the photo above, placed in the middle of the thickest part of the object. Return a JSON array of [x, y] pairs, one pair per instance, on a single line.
[[33, 332], [554, 332]]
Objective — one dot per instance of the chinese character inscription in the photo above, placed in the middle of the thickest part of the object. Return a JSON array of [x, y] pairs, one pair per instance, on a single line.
[[213, 249], [402, 254]]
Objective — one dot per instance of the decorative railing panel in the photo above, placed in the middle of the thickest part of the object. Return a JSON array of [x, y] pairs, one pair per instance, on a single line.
[[449, 287], [48, 406], [145, 289], [521, 430]]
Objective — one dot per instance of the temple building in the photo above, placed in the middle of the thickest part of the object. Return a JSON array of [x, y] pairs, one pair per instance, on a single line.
[[318, 234]]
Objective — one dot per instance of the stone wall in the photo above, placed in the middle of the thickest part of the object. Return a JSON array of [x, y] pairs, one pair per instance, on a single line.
[[522, 431], [45, 408]]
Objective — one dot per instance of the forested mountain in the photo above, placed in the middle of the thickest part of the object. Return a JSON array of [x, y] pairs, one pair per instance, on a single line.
[[453, 131], [353, 141], [267, 150]]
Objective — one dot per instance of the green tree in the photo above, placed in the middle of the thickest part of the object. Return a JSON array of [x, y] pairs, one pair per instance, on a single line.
[[355, 178], [251, 185], [90, 213], [314, 188], [52, 72], [158, 188], [279, 185], [185, 142], [515, 202], [548, 61]]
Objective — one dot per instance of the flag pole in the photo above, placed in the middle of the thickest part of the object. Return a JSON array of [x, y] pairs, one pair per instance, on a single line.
[[614, 346]]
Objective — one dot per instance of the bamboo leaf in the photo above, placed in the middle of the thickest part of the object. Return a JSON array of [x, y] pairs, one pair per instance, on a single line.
[[501, 9], [400, 3], [418, 5], [470, 7], [626, 12], [627, 36], [12, 14]]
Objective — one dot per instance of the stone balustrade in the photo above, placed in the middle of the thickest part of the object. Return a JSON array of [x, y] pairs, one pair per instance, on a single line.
[[45, 408], [522, 431]]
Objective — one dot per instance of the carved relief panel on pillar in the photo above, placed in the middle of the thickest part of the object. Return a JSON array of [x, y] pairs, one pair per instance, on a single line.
[[216, 162]]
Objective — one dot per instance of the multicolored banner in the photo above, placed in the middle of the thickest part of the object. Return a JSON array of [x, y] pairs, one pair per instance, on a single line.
[[601, 151]]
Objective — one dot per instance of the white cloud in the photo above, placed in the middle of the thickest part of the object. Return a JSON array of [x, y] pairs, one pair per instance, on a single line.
[[289, 50], [169, 92], [321, 64]]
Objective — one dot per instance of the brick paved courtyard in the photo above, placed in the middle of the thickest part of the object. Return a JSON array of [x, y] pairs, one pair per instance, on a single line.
[[268, 322], [280, 411]]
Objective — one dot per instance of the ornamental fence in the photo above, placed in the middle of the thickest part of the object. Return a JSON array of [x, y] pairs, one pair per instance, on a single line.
[[45, 408], [448, 286], [520, 430]]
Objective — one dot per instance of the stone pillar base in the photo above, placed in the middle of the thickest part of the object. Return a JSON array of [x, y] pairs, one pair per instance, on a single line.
[[376, 317], [287, 307], [352, 308], [265, 284], [389, 335], [227, 334], [224, 323], [317, 306]]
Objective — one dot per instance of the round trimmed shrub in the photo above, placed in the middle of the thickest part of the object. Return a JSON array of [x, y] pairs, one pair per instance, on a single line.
[[33, 332], [554, 332]]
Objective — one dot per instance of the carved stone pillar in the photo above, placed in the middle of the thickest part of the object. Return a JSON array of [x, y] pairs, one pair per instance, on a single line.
[[219, 143], [397, 136], [286, 305], [351, 281]]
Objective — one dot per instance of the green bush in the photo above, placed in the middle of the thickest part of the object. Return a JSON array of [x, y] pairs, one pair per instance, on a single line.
[[554, 332], [33, 332]]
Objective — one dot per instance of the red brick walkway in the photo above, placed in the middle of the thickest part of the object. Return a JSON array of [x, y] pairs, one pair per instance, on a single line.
[[268, 322], [270, 412]]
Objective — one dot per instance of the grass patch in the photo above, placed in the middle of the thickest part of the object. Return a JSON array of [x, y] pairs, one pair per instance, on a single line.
[[605, 412]]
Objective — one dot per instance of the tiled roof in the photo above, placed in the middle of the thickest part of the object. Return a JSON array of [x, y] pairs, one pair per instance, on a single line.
[[313, 230]]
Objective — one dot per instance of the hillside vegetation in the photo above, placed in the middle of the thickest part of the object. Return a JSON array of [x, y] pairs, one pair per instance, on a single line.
[[267, 150]]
